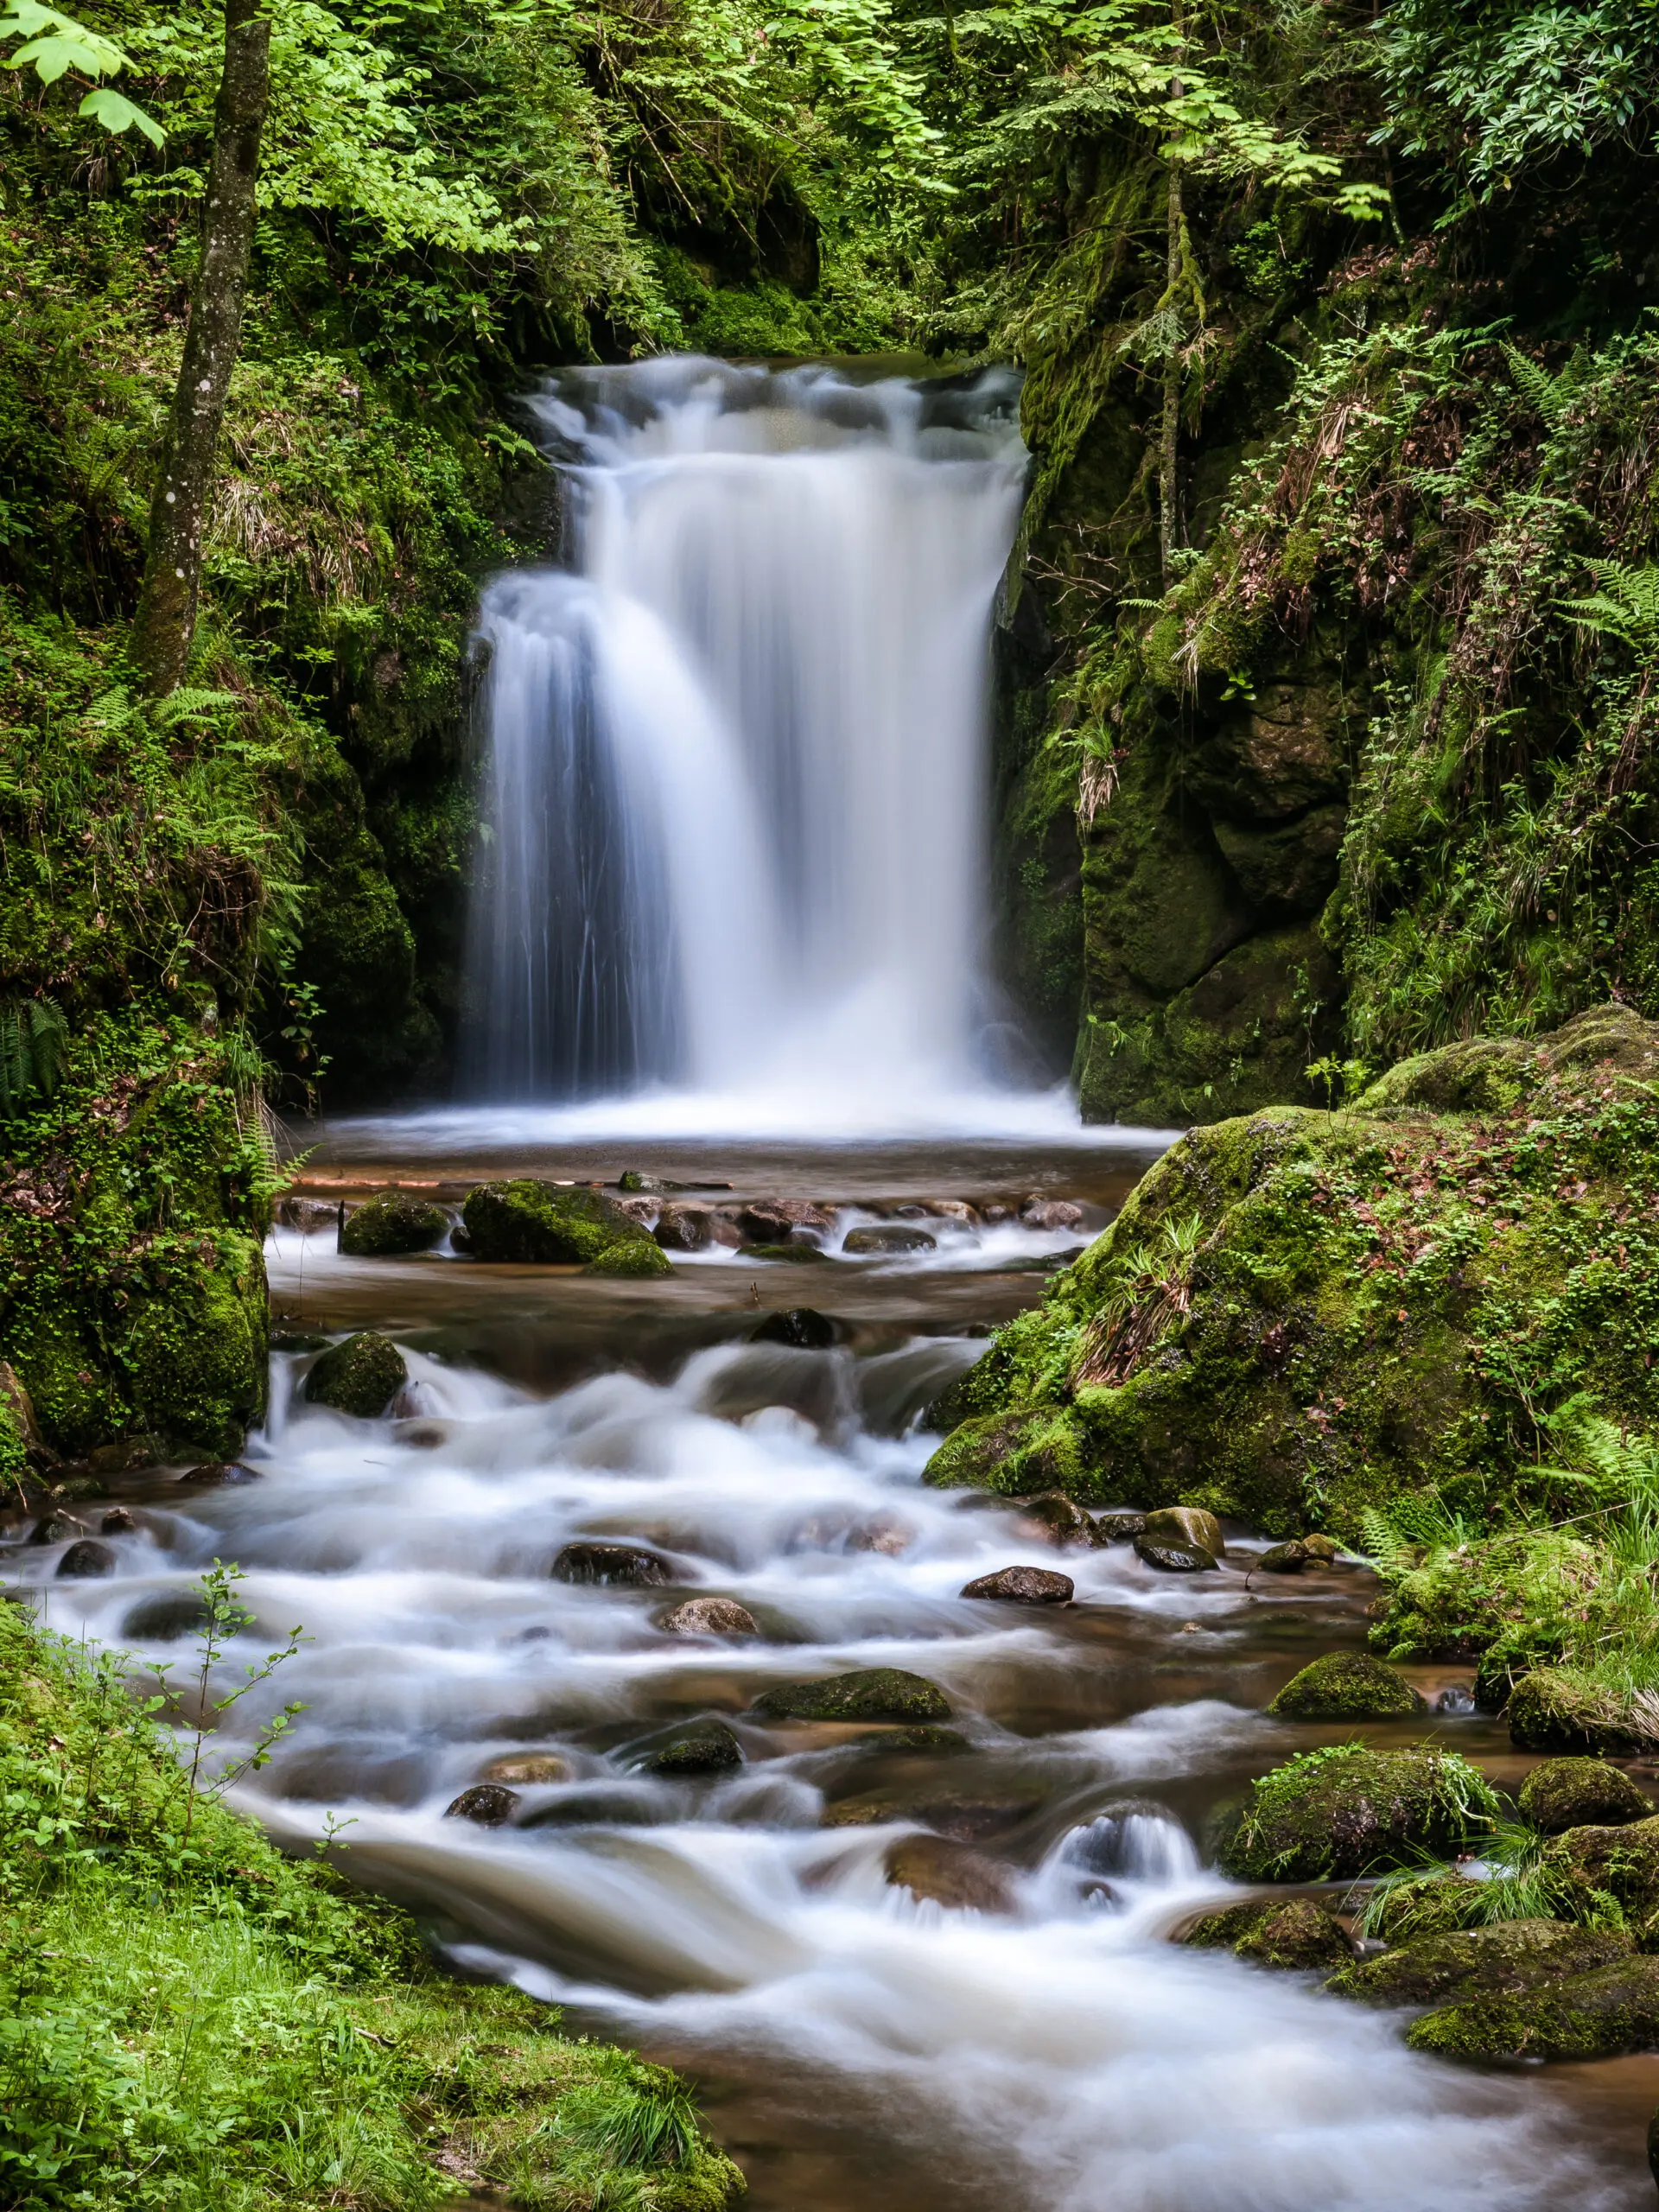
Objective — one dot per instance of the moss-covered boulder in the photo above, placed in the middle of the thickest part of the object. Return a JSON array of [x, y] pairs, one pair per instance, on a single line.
[[1293, 1933], [362, 1375], [633, 1256], [870, 1694], [1185, 1524], [1348, 1810], [1590, 1869], [1470, 1962], [1571, 1793], [1600, 2015], [553, 1224], [1430, 1904], [1347, 1686], [706, 1745], [1552, 1710], [390, 1223], [1299, 1315]]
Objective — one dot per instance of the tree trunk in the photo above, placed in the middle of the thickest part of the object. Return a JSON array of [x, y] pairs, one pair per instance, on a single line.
[[1170, 428], [167, 607]]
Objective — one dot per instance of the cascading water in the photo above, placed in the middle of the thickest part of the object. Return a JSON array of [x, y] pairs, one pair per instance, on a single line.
[[735, 798]]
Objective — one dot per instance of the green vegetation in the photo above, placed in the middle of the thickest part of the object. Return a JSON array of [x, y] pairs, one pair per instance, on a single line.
[[191, 2019], [1348, 1810]]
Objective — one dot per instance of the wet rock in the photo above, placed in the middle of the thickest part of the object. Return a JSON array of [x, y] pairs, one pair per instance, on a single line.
[[528, 1769], [636, 1256], [1061, 1517], [683, 1229], [1022, 1586], [1599, 2015], [889, 1237], [1039, 1212], [774, 1221], [551, 1224], [613, 1565], [360, 1377], [632, 1180], [618, 1805], [87, 1558], [167, 1615], [1585, 1866], [961, 1814], [1186, 1524], [1551, 1711], [950, 1874], [889, 1534], [709, 1617], [1347, 1686], [1121, 1527], [1296, 1935], [799, 1327], [18, 1409], [117, 1521], [798, 1253], [486, 1804], [1324, 1549], [56, 1527], [703, 1747], [1351, 1810], [1015, 1454], [868, 1694], [1564, 1794], [390, 1223], [919, 1740], [1494, 1960], [213, 1472], [1284, 1558], [1174, 1558], [1428, 1904]]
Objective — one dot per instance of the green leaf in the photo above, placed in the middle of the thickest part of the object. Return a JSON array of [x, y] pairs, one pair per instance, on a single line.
[[117, 113]]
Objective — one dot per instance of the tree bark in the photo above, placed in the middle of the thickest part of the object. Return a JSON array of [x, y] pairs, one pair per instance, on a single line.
[[1170, 428], [166, 620]]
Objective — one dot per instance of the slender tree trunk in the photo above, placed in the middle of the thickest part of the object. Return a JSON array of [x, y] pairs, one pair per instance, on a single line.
[[1170, 428], [167, 607]]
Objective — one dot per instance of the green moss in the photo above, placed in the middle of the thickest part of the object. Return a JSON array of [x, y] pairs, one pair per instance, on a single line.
[[392, 1221], [362, 1375], [1609, 1873], [1478, 1962], [1013, 1454], [1552, 1710], [1349, 1809], [1574, 1793], [549, 1223], [871, 1693], [1298, 1935], [1589, 2016], [635, 1256], [1346, 1685]]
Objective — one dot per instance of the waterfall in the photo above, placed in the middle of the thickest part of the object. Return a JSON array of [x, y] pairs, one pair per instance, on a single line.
[[734, 832]]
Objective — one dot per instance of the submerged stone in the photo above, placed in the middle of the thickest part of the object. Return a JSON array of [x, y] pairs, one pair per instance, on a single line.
[[963, 1814], [1347, 1686], [889, 1237], [87, 1558], [786, 1253], [704, 1746], [933, 1867], [886, 1533], [360, 1377], [1296, 1935], [709, 1617], [486, 1804], [529, 1768], [167, 1615], [1022, 1586], [1578, 1793], [623, 1565], [390, 1223], [799, 1327], [870, 1693]]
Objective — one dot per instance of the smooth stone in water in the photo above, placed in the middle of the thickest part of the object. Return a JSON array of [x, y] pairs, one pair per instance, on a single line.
[[631, 1256], [888, 1534], [1062, 1518], [390, 1223], [1285, 1559], [1039, 1212], [682, 1229], [709, 1617], [1174, 1558], [1564, 1794], [360, 1377], [167, 1615], [1121, 1527], [774, 1221], [950, 1874], [117, 1521], [619, 1565], [1324, 1549], [1022, 1586], [56, 1527], [907, 1740], [959, 1814], [799, 1327], [85, 1559], [486, 1803], [212, 1472], [632, 1180], [870, 1693], [694, 1747], [529, 1768], [888, 1238], [1186, 1524], [1347, 1686], [790, 1254]]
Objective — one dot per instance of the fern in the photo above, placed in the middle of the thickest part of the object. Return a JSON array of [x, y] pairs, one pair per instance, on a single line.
[[1625, 608], [34, 1037]]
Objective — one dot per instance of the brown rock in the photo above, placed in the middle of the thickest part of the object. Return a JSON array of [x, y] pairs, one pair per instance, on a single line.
[[527, 1767], [1186, 1524], [117, 1521], [486, 1803], [629, 1566], [1022, 1586], [85, 1559], [1039, 1212], [886, 1533], [1174, 1558], [1284, 1558], [1060, 1518], [709, 1617], [951, 1874], [770, 1221]]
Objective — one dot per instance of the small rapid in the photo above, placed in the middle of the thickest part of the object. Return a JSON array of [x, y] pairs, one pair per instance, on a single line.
[[1040, 2045]]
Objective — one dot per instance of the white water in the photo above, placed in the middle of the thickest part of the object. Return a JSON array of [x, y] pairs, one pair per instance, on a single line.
[[735, 793], [1068, 2057]]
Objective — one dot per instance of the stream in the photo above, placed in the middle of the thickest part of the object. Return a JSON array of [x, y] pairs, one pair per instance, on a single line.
[[858, 2049]]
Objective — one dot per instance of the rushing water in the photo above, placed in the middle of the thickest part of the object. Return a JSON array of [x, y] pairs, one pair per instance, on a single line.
[[734, 795], [861, 2052]]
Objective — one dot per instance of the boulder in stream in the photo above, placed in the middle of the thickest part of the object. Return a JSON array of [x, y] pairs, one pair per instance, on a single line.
[[802, 1327], [709, 1617], [486, 1804], [703, 1747], [530, 1769], [613, 1565], [933, 1867], [85, 1558], [1580, 1793], [1600, 2015], [870, 1693], [799, 1255], [362, 1377], [1347, 1686], [1470, 1962], [1174, 1558], [775, 1221], [1022, 1586], [889, 1238], [682, 1229], [1061, 1518], [1585, 1866], [1284, 1558], [1185, 1524], [1293, 1933], [1349, 1809], [392, 1223], [885, 1533], [551, 1224], [630, 1255], [1552, 1711], [1039, 1212], [965, 1816]]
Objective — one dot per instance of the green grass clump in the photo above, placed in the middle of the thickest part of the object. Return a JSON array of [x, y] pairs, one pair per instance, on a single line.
[[190, 2020]]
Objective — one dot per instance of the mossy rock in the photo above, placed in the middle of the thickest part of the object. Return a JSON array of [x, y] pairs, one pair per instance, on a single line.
[[1013, 1455], [634, 1256], [1569, 1792], [870, 1694], [1550, 1710], [1347, 1686], [1588, 1869], [1491, 1961], [1428, 1904], [546, 1225], [360, 1377], [707, 1745], [1188, 1525], [1349, 1809], [1295, 1933], [1600, 2015], [392, 1222]]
